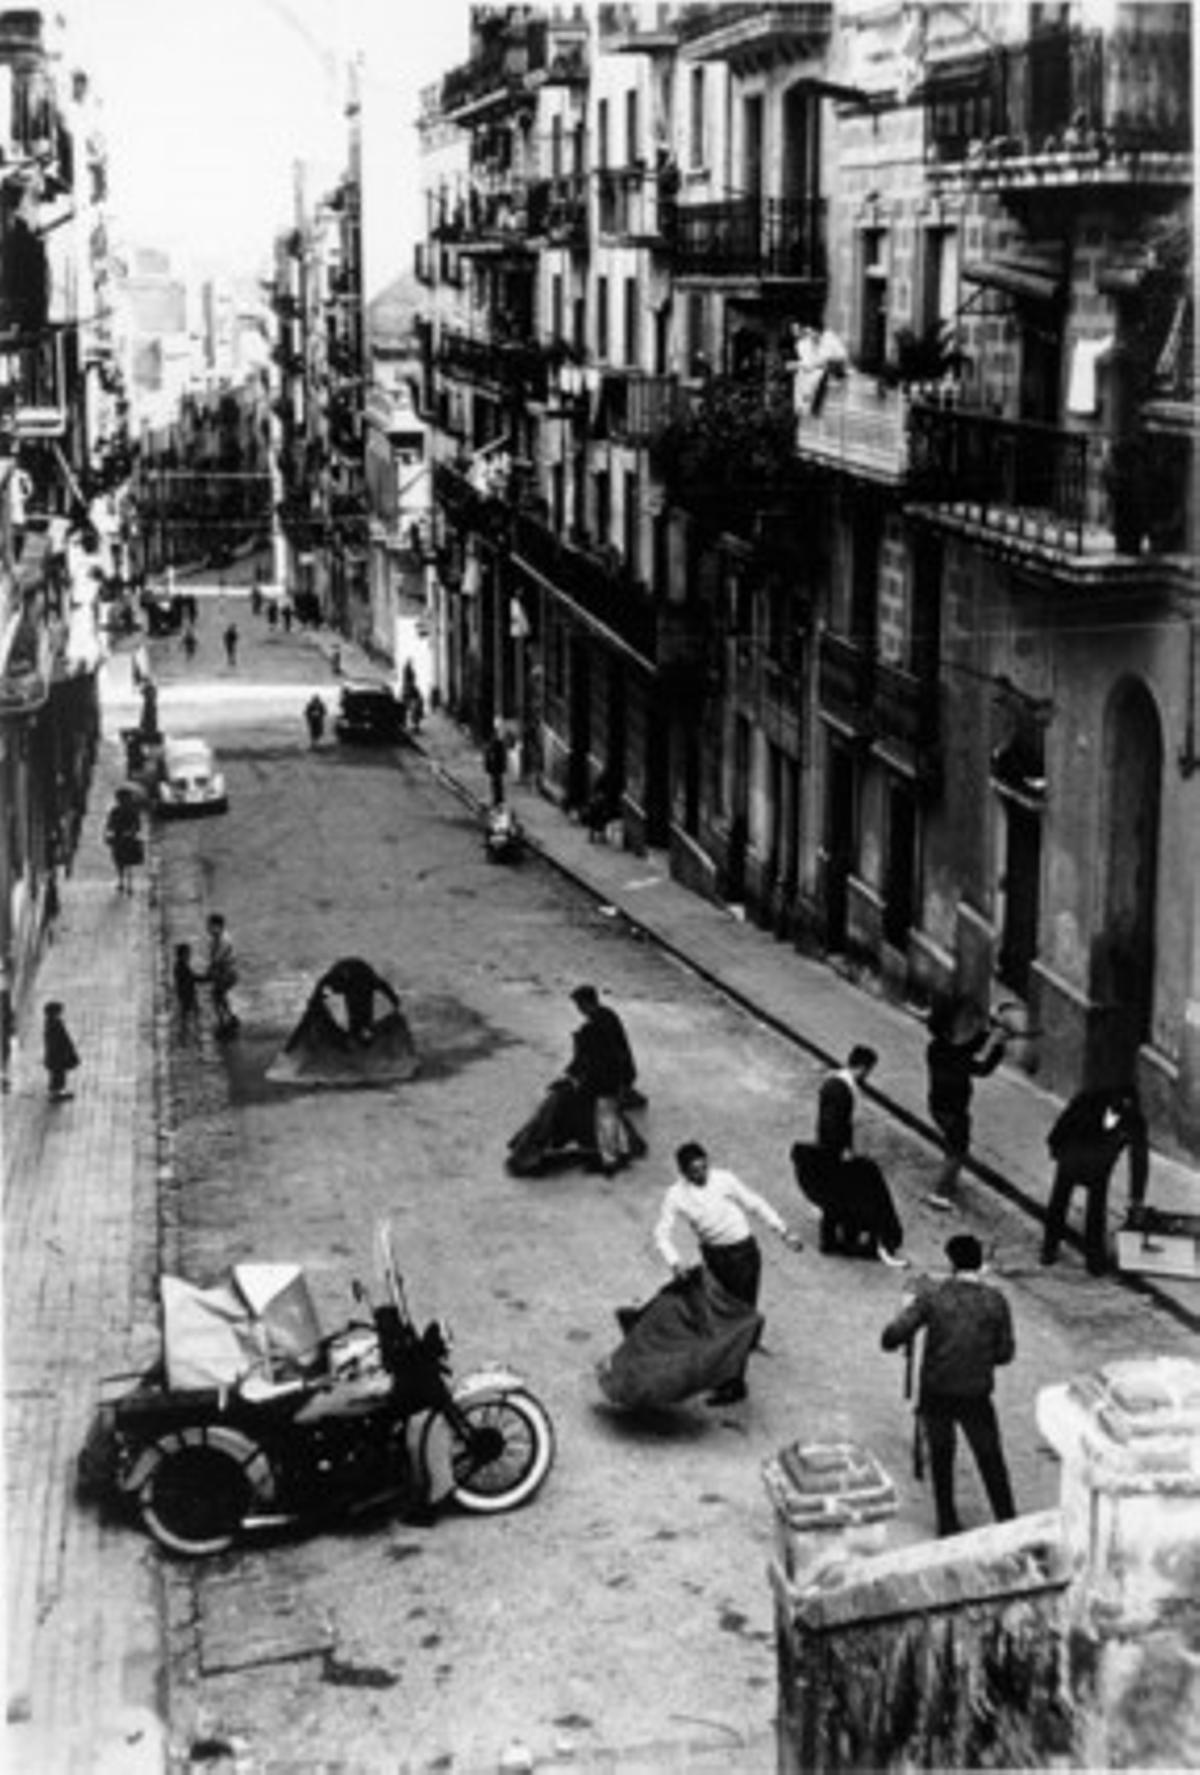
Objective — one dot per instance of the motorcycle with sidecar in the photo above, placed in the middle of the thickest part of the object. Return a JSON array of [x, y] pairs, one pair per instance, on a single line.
[[255, 1421]]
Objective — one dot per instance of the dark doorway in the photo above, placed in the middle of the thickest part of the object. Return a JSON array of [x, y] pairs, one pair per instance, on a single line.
[[1022, 895], [739, 825], [1123, 951], [841, 820], [900, 878], [578, 769]]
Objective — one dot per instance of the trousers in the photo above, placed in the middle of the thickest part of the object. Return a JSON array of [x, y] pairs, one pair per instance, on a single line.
[[940, 1414], [1095, 1230]]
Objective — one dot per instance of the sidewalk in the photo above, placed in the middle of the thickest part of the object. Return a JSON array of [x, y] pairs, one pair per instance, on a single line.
[[815, 1006], [83, 1650]]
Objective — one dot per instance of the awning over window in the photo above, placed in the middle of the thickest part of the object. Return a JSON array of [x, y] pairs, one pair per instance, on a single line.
[[1032, 274]]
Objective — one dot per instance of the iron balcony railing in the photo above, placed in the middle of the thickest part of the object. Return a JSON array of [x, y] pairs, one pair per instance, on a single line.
[[801, 19], [600, 587], [520, 368], [748, 237], [1082, 93], [636, 407], [1024, 478]]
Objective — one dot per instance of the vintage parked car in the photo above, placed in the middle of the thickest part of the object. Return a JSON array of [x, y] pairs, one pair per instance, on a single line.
[[189, 781], [369, 715]]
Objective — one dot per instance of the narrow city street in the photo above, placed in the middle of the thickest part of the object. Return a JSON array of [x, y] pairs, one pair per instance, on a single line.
[[625, 1615]]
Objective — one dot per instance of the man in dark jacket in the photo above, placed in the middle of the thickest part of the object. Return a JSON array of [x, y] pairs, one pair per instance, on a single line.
[[603, 1069], [1086, 1141], [955, 1057], [968, 1335]]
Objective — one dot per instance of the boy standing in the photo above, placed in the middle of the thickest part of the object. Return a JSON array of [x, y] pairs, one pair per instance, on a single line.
[[59, 1053]]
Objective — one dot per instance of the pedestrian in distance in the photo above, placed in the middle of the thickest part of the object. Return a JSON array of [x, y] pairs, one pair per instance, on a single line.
[[495, 763], [123, 836], [959, 1051], [314, 716], [230, 638], [59, 1053], [286, 613], [715, 1204], [272, 615], [968, 1335], [187, 995], [1086, 1141], [189, 643], [221, 975]]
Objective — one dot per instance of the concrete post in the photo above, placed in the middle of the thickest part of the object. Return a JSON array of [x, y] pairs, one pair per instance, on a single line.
[[832, 1503], [1129, 1441]]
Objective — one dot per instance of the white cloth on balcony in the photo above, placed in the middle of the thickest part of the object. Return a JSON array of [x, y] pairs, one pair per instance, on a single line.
[[1082, 393]]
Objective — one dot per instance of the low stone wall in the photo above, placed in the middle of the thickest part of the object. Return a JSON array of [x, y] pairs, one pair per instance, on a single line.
[[943, 1655]]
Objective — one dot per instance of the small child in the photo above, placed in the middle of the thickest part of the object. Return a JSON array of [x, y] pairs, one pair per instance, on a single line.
[[186, 981], [59, 1052]]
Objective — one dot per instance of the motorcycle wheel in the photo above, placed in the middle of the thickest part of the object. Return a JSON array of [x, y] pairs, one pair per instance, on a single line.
[[513, 1454], [194, 1499]]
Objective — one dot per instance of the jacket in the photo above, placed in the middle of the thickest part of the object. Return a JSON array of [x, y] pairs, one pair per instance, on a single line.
[[968, 1335], [954, 1067]]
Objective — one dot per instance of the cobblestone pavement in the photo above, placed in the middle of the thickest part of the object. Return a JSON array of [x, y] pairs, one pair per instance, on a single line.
[[85, 1611]]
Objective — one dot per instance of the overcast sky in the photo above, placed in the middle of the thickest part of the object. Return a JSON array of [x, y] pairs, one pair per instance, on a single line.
[[208, 103]]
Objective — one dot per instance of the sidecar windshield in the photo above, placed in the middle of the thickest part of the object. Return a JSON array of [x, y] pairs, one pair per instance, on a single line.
[[261, 1323]]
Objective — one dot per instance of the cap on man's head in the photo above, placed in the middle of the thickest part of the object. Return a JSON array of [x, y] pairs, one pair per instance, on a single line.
[[965, 1252], [585, 995]]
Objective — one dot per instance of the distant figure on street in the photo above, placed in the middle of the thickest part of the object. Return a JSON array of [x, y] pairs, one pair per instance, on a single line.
[[1086, 1141], [186, 982], [411, 699], [189, 642], [715, 1204], [356, 983], [256, 597], [140, 665], [314, 715], [272, 615], [286, 613], [59, 1053], [604, 1019], [230, 638], [958, 1053], [968, 1335], [148, 725], [221, 975], [495, 763], [123, 836]]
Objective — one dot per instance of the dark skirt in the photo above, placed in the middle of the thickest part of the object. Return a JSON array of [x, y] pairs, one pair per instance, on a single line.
[[853, 1197], [738, 1268], [693, 1336]]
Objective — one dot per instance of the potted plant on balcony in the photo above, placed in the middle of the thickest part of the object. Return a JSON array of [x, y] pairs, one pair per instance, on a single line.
[[736, 447]]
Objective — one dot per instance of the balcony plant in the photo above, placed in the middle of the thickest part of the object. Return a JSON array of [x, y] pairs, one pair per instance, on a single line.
[[735, 448]]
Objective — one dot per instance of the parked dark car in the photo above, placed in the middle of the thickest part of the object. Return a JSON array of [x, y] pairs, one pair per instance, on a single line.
[[369, 715]]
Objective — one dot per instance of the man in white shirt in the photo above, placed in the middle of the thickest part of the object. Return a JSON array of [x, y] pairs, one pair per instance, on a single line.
[[715, 1204]]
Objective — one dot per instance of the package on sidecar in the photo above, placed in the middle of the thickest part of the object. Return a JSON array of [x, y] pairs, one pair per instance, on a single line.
[[244, 1342]]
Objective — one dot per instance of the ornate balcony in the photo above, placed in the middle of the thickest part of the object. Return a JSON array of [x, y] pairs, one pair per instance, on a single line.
[[853, 423], [519, 369], [1067, 108], [846, 682], [771, 237], [635, 407], [1027, 483], [749, 37], [596, 582]]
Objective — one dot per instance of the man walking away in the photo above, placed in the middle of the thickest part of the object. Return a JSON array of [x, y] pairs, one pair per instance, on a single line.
[[955, 1057], [968, 1335], [715, 1204], [1086, 1141], [495, 763], [230, 639]]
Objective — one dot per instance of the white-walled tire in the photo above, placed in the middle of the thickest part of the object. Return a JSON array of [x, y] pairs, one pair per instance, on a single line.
[[196, 1486], [520, 1428]]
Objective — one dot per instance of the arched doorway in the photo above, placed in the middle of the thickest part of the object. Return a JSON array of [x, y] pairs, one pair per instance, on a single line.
[[1122, 984]]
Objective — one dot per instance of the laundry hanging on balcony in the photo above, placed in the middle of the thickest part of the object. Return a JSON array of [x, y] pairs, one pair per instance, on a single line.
[[1083, 396]]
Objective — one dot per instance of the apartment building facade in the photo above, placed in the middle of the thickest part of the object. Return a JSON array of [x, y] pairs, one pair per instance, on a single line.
[[818, 474], [64, 449]]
